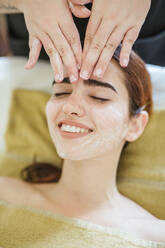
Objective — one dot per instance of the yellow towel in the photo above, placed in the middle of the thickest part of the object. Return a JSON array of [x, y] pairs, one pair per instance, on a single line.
[[27, 227], [141, 173]]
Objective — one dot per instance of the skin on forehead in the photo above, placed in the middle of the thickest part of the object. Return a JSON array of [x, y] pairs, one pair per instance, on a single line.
[[115, 70], [113, 75]]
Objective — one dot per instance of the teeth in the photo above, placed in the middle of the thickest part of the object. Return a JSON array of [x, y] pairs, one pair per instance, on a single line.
[[73, 129]]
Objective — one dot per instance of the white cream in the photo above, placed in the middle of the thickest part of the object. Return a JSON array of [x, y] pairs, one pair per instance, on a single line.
[[109, 122]]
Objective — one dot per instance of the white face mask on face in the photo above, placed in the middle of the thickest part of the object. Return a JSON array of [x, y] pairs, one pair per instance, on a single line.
[[108, 119]]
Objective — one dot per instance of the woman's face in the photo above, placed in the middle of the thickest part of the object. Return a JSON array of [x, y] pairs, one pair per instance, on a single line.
[[80, 103]]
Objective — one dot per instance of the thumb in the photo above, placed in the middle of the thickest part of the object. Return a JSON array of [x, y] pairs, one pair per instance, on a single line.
[[79, 10], [80, 2]]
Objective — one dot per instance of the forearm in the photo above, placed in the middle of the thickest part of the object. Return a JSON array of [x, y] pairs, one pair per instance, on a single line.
[[9, 7]]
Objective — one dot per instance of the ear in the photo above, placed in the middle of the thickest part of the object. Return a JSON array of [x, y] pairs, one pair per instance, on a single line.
[[137, 125]]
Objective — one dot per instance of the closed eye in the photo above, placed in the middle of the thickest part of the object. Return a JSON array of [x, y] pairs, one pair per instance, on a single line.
[[100, 99], [94, 97], [59, 94]]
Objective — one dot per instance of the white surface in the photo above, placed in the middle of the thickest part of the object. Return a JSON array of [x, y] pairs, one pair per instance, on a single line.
[[158, 82], [13, 75]]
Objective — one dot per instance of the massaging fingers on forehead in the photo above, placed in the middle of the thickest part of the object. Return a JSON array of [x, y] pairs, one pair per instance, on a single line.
[[50, 24], [111, 22]]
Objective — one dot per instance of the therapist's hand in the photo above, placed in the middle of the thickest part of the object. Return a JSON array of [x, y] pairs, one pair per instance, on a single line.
[[111, 22], [50, 24]]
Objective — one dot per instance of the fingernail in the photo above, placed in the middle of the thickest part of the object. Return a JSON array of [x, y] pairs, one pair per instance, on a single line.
[[78, 67], [73, 78], [98, 72], [125, 62], [57, 77], [84, 75]]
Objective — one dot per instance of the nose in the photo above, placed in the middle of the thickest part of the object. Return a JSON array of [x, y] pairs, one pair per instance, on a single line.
[[73, 106]]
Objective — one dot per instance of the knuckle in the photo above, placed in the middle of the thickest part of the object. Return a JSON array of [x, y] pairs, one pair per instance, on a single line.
[[96, 45], [110, 45], [62, 51], [115, 40], [72, 39], [88, 37], [49, 51], [130, 41]]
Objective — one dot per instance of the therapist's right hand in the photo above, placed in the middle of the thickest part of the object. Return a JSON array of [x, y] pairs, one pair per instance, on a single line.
[[50, 23]]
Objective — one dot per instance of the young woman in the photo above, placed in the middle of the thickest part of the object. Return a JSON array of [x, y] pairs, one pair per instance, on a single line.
[[90, 122]]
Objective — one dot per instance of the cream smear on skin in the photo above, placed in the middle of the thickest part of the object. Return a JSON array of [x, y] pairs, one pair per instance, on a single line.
[[94, 157], [109, 123]]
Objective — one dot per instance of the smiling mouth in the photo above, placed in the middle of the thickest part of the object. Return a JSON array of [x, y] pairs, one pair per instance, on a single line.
[[77, 131]]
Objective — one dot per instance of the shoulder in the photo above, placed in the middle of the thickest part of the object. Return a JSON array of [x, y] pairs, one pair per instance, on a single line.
[[11, 181], [151, 229], [14, 190], [146, 225], [158, 227]]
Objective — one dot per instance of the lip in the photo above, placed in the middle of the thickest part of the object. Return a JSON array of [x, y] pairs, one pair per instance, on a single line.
[[72, 123]]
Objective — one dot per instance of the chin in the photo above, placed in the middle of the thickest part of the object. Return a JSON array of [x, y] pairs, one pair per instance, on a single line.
[[69, 154]]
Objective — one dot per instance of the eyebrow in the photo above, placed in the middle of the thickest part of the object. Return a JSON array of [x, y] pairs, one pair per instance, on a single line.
[[89, 82]]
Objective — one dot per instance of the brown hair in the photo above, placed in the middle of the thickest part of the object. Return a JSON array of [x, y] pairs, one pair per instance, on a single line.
[[138, 83]]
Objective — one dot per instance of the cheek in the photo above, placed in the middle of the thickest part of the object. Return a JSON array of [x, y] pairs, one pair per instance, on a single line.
[[113, 121], [51, 111]]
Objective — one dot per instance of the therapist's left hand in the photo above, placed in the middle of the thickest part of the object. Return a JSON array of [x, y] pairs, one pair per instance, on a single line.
[[111, 22]]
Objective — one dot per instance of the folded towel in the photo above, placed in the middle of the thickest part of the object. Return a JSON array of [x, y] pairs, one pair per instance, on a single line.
[[141, 170], [27, 227]]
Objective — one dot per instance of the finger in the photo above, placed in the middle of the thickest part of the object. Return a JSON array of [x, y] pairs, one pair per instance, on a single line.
[[35, 46], [79, 11], [108, 51], [95, 49], [54, 57], [128, 41], [72, 37], [92, 27], [66, 54], [80, 2]]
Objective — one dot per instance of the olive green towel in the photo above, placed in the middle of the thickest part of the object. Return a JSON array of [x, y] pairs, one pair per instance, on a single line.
[[25, 227], [141, 173]]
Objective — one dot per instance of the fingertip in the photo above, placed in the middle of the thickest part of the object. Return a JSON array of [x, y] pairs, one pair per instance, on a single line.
[[81, 11], [73, 78], [29, 65], [84, 74], [124, 62], [98, 73], [85, 11], [58, 77]]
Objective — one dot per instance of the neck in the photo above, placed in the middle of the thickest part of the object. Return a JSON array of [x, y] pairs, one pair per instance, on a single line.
[[90, 184]]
